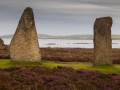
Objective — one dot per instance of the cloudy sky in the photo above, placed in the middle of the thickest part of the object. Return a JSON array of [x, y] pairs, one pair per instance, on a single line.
[[59, 17]]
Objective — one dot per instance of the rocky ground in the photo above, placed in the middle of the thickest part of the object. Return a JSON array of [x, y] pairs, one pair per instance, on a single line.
[[64, 54]]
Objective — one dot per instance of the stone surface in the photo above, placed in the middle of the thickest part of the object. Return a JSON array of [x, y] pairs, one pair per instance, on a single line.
[[1, 41], [24, 45], [4, 51], [102, 41]]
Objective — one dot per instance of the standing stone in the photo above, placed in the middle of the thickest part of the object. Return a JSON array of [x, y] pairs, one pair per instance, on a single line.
[[1, 41], [102, 41], [24, 45]]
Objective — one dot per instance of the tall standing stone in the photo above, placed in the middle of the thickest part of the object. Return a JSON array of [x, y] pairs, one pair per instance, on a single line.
[[24, 45], [102, 41]]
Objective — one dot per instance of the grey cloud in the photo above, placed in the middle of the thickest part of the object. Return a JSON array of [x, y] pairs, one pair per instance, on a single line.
[[63, 8], [70, 7], [85, 11], [60, 7]]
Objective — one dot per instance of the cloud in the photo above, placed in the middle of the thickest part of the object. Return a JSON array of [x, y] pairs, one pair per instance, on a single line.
[[69, 9], [61, 11], [75, 9]]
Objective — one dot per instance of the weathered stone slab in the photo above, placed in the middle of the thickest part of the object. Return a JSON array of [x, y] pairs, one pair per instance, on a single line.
[[24, 45], [102, 41], [1, 41]]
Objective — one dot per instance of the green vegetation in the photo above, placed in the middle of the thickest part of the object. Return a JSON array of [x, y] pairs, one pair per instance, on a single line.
[[115, 68], [5, 63], [75, 65]]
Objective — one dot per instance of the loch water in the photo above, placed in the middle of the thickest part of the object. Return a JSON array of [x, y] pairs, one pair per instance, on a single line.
[[67, 43]]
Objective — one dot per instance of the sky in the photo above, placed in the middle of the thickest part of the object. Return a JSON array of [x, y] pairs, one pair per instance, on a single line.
[[59, 17]]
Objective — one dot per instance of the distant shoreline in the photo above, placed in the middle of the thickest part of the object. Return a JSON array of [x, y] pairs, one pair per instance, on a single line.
[[66, 37]]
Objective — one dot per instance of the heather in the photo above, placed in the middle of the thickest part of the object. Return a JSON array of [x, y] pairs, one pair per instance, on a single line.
[[115, 68], [74, 54], [59, 78]]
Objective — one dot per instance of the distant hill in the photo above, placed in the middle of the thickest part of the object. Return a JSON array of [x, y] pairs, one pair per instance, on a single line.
[[70, 37], [6, 36]]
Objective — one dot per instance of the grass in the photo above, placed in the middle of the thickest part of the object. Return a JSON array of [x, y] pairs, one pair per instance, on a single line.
[[115, 68], [5, 63]]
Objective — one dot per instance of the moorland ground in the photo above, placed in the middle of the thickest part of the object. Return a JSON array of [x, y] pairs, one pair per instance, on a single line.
[[65, 54], [44, 76], [78, 73]]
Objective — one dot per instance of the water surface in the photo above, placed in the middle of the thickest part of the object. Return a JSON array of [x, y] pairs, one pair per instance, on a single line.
[[68, 43]]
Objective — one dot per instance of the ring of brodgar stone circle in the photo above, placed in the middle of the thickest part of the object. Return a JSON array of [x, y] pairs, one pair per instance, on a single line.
[[102, 41], [24, 45]]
